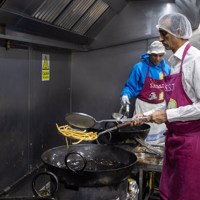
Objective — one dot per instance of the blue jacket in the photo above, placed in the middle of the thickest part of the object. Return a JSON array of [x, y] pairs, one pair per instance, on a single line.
[[135, 82]]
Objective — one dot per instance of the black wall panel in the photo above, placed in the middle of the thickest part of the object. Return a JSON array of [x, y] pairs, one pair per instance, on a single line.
[[13, 114], [49, 101], [30, 108], [99, 76]]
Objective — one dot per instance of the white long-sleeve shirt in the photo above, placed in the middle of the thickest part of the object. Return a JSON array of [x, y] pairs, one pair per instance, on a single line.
[[191, 83]]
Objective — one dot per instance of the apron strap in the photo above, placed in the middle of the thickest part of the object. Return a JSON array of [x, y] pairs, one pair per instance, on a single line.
[[184, 54]]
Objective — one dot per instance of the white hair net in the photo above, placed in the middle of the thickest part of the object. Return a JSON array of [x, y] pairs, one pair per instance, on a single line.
[[156, 47], [176, 24]]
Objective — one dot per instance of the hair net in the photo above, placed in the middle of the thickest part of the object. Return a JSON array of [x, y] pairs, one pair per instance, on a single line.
[[176, 24], [156, 47]]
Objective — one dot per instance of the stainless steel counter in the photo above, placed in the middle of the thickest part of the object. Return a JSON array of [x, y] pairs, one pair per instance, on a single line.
[[147, 162]]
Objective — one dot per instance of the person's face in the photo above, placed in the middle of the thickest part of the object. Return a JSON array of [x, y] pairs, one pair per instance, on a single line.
[[168, 40], [156, 58]]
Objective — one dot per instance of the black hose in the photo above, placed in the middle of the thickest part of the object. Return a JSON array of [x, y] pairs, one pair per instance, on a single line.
[[8, 188]]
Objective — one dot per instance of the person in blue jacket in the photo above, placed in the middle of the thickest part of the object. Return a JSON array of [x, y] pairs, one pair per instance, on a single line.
[[145, 84]]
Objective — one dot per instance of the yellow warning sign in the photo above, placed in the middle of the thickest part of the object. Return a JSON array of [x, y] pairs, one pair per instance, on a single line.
[[45, 67]]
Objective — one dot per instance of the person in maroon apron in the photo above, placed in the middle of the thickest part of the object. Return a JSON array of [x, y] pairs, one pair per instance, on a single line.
[[146, 84], [180, 179]]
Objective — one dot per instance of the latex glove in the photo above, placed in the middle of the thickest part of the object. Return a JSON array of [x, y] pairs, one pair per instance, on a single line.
[[125, 100]]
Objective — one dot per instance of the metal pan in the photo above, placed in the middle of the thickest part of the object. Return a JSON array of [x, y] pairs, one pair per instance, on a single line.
[[121, 114], [85, 121]]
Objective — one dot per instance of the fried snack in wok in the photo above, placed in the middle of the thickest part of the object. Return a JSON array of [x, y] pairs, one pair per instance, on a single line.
[[67, 131]]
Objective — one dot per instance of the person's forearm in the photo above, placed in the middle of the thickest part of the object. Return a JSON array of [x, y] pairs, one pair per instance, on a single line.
[[184, 113], [150, 112]]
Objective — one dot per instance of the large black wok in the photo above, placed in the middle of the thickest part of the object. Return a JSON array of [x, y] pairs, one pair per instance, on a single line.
[[100, 164]]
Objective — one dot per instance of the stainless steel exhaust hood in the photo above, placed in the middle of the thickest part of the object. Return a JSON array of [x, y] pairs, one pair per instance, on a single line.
[[77, 22], [77, 16], [68, 20]]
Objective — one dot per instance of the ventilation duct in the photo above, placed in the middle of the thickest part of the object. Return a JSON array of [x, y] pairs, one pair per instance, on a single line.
[[77, 16], [50, 10]]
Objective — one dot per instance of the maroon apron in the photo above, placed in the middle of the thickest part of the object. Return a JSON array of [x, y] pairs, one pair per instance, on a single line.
[[153, 90], [180, 179]]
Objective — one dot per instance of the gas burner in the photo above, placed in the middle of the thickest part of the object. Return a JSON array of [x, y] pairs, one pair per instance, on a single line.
[[111, 192]]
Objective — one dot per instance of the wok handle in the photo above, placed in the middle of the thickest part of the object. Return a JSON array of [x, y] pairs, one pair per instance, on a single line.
[[124, 124], [54, 180], [82, 159], [127, 123], [114, 128]]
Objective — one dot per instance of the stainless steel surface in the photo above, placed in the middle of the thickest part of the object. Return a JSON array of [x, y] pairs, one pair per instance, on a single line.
[[86, 22], [65, 14], [68, 20], [48, 11], [148, 158], [118, 116], [146, 162], [123, 120], [151, 148], [80, 120], [123, 112]]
